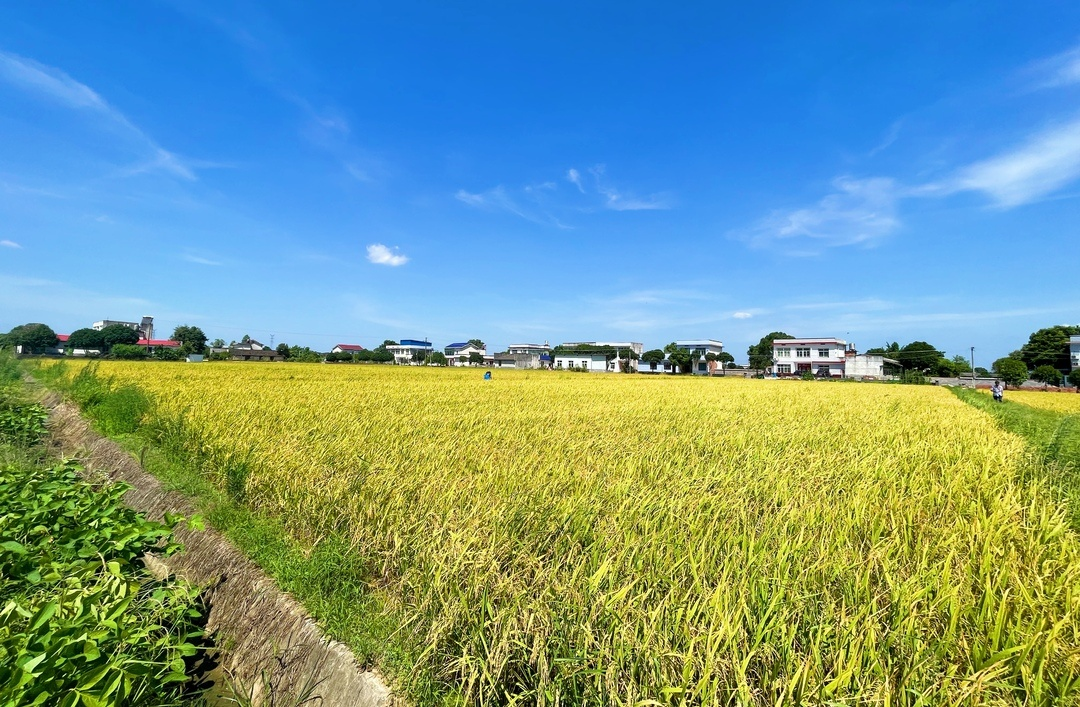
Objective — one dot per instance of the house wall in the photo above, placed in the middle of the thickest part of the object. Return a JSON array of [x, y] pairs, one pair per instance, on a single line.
[[1074, 351], [597, 364], [865, 366]]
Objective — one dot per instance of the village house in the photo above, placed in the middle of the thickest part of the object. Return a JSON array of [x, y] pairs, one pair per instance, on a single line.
[[405, 353], [458, 354], [347, 348], [1074, 352], [252, 350]]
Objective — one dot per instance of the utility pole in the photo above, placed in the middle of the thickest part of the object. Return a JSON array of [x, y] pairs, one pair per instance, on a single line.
[[973, 367]]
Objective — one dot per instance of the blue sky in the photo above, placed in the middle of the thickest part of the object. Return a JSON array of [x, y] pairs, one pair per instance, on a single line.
[[326, 173]]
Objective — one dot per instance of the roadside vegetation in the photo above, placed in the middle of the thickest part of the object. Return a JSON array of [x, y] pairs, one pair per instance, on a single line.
[[82, 620], [558, 539], [1050, 422]]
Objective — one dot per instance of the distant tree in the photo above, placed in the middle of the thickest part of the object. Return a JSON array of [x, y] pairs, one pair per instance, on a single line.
[[462, 360], [1013, 371], [1047, 374], [888, 349], [918, 355], [302, 354], [1074, 377], [981, 372], [944, 368], [419, 356], [245, 339], [283, 349], [86, 339], [680, 358], [127, 352], [475, 357], [996, 365], [387, 342], [382, 356], [761, 353], [653, 357], [118, 334], [365, 355], [478, 343], [1049, 347], [34, 338], [725, 358], [437, 358], [961, 364], [192, 339], [218, 343]]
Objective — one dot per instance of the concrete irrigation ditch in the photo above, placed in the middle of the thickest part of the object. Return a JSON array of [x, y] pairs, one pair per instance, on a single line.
[[270, 646]]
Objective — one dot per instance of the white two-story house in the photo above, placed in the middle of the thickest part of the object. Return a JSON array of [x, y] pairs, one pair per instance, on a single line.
[[821, 357], [1074, 352]]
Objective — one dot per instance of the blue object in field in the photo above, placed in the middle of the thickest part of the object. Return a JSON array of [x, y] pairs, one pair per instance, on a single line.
[[487, 375]]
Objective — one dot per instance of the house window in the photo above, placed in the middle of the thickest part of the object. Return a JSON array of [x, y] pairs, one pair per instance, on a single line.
[[802, 353], [783, 368], [823, 353], [783, 353], [802, 367]]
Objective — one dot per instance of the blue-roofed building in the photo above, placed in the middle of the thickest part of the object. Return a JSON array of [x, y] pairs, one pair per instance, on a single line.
[[460, 353], [406, 352]]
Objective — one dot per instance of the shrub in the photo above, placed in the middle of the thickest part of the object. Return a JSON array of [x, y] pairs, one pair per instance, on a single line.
[[1047, 374], [128, 352]]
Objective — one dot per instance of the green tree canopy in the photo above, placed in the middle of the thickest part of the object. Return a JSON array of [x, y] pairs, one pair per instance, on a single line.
[[1046, 374], [680, 358], [192, 339], [1012, 370], [761, 353], [1074, 377], [86, 339], [476, 357], [888, 349], [119, 334], [1049, 347], [283, 349], [437, 358], [34, 337], [478, 343], [918, 355]]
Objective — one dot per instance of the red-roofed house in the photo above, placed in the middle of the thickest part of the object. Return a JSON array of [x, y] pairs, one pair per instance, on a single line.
[[347, 348], [153, 345]]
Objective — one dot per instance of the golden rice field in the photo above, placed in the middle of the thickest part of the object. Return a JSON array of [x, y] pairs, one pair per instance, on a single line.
[[1058, 402], [562, 539]]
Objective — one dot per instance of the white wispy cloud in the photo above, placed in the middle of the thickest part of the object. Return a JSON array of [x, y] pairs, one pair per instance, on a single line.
[[742, 315], [1059, 70], [381, 255], [1045, 162], [9, 244], [574, 177], [619, 202], [52, 83], [890, 137], [199, 260], [859, 212], [497, 199]]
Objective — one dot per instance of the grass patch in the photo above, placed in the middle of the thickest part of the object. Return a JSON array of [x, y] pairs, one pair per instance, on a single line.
[[1054, 436]]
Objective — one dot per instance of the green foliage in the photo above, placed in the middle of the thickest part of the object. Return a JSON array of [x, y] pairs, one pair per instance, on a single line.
[[1012, 371], [192, 339], [283, 349], [34, 338], [807, 376], [86, 338], [169, 354], [653, 357], [761, 353], [128, 352], [302, 354], [478, 343], [918, 355], [21, 424], [116, 334], [1074, 377], [475, 357], [1049, 347], [82, 621], [1047, 374], [680, 358], [890, 349], [437, 358]]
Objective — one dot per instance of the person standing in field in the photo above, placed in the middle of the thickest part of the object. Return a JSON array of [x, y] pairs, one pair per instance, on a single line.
[[999, 391]]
